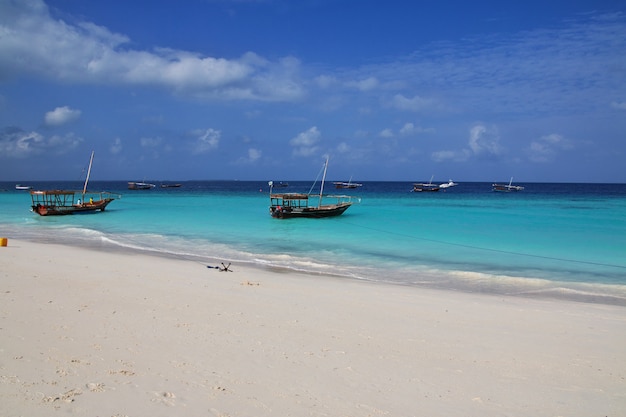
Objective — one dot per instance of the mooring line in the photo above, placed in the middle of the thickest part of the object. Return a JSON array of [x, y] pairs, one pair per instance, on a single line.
[[462, 245]]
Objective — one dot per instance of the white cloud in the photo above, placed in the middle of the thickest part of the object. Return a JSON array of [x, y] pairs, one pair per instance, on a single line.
[[62, 144], [386, 133], [325, 81], [206, 140], [254, 154], [457, 156], [555, 139], [150, 142], [410, 129], [343, 147], [514, 73], [366, 84], [484, 140], [546, 147], [116, 146], [34, 42], [305, 144], [178, 69], [18, 143], [540, 152], [414, 104], [61, 116]]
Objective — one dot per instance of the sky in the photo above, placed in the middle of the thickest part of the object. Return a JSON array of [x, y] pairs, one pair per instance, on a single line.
[[266, 89]]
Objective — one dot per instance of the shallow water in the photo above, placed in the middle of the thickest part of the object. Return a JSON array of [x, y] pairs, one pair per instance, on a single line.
[[559, 240]]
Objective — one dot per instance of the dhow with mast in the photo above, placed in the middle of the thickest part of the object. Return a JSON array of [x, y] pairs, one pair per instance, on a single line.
[[290, 205], [62, 202]]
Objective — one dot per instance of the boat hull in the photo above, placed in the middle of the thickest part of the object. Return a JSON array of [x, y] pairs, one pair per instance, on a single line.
[[297, 205], [346, 185], [502, 188], [140, 186], [309, 212], [506, 188], [51, 210], [425, 188], [63, 202]]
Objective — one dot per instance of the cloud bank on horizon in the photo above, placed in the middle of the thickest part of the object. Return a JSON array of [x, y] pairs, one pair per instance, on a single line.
[[544, 104]]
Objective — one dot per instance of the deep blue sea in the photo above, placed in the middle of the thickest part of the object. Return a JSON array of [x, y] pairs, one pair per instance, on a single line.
[[554, 240]]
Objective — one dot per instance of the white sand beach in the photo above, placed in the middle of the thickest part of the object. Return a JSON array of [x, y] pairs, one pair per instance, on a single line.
[[93, 333]]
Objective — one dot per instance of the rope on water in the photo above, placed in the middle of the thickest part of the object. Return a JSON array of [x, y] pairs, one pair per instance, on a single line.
[[462, 245]]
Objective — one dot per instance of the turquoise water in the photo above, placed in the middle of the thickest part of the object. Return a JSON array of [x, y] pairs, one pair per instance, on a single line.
[[557, 240]]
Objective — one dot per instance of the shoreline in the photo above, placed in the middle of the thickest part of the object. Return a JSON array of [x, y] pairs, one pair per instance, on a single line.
[[445, 280], [90, 331]]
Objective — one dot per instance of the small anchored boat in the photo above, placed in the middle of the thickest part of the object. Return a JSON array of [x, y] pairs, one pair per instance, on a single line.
[[506, 187], [419, 187], [290, 205], [448, 184], [348, 185], [63, 202], [140, 186]]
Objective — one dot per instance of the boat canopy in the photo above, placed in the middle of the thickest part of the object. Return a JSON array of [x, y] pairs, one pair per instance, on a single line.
[[291, 196], [290, 200], [63, 197], [53, 192], [53, 197]]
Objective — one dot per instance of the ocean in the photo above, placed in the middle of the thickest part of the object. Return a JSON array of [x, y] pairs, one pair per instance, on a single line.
[[564, 241]]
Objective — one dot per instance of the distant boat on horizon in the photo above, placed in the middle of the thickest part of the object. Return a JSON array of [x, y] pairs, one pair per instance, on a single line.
[[140, 186], [419, 187], [506, 187], [348, 185], [23, 187]]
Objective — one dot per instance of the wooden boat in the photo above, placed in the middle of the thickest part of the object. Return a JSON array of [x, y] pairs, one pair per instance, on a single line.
[[170, 185], [290, 205], [62, 202], [347, 185], [506, 187], [140, 186], [419, 187]]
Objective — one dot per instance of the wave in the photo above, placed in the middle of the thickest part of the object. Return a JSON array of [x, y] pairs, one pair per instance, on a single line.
[[211, 253]]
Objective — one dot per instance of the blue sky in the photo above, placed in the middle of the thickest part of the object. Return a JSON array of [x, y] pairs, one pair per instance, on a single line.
[[264, 89]]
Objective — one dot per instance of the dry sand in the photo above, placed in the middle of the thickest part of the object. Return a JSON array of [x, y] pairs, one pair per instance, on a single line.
[[92, 333]]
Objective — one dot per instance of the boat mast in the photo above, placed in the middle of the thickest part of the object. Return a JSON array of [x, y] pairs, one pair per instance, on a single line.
[[87, 179], [322, 186]]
